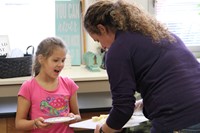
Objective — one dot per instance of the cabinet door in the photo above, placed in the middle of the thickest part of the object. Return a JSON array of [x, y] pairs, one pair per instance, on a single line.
[[7, 125], [3, 125]]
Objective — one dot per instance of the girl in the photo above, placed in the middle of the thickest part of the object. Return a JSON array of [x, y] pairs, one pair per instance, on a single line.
[[47, 94]]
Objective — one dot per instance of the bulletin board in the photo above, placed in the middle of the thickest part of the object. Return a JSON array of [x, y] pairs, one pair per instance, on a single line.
[[68, 27]]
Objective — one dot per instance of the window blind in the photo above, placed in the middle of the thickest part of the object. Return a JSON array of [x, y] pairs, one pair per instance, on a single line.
[[182, 17]]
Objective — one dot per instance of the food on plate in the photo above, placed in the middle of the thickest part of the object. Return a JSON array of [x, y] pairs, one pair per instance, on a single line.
[[102, 118], [95, 118]]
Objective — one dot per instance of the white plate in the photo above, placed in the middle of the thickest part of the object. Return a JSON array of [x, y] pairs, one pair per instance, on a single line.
[[58, 119], [90, 124]]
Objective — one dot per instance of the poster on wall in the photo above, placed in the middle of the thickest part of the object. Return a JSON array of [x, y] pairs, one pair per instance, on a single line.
[[68, 27], [4, 45]]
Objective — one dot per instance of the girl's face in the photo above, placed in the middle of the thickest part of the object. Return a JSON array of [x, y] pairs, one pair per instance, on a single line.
[[106, 38], [52, 66]]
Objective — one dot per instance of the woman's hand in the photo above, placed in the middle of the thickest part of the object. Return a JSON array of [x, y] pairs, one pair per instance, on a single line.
[[98, 126], [105, 129]]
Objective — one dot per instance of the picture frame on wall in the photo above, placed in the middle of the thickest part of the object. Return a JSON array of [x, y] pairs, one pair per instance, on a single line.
[[68, 19], [4, 45]]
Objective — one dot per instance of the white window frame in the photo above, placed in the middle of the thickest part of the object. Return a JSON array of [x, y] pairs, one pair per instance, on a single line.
[[151, 8]]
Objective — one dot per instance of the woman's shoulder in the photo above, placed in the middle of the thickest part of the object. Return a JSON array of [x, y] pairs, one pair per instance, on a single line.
[[124, 34]]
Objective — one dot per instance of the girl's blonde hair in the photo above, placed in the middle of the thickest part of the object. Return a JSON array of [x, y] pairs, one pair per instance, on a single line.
[[46, 48], [121, 15]]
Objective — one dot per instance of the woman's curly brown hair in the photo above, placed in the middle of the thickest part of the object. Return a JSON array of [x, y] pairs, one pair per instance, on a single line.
[[121, 15]]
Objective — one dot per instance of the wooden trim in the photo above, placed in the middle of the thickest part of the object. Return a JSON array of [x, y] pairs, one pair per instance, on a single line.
[[83, 30], [3, 125]]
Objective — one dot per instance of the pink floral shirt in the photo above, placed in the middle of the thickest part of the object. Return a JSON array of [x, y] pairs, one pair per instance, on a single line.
[[48, 104]]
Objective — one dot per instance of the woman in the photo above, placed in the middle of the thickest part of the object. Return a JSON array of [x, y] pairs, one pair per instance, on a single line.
[[143, 56]]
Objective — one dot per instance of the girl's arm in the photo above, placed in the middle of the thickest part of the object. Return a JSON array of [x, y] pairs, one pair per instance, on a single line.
[[21, 121], [74, 108]]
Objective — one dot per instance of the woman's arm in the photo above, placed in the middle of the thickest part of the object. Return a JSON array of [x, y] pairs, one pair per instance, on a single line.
[[105, 129]]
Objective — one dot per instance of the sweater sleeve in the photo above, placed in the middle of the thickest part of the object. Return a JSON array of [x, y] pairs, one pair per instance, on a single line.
[[122, 85]]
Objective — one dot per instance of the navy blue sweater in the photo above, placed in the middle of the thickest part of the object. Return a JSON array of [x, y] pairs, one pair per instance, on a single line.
[[166, 75]]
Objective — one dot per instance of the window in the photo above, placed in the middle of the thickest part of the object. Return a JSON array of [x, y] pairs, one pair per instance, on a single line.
[[182, 17], [27, 22]]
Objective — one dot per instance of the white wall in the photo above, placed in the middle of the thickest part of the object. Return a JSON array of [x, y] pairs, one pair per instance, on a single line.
[[24, 23], [147, 4], [90, 44]]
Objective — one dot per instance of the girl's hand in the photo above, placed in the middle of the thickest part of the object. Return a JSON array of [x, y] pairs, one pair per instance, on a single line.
[[39, 123], [71, 115], [76, 118]]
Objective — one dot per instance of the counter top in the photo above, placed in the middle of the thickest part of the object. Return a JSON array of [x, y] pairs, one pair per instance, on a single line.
[[93, 92], [77, 73]]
